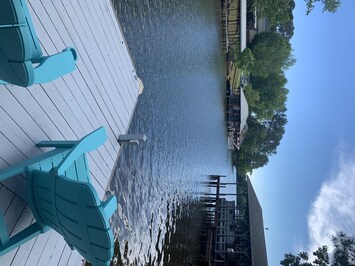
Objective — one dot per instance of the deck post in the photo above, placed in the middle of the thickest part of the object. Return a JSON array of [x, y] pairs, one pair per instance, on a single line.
[[132, 139]]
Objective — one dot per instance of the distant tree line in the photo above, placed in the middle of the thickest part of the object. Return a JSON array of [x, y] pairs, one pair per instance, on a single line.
[[328, 5], [266, 58], [342, 255], [277, 11]]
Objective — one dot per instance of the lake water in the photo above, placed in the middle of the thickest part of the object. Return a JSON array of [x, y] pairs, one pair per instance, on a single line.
[[177, 50]]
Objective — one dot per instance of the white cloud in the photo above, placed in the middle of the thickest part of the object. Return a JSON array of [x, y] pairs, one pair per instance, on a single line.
[[334, 207]]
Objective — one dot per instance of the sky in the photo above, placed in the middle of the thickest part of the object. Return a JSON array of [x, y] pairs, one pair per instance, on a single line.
[[307, 191]]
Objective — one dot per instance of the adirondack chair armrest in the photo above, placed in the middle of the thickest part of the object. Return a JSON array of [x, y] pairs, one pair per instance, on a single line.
[[21, 237], [4, 235], [57, 143], [89, 143], [12, 171], [110, 206], [54, 66]]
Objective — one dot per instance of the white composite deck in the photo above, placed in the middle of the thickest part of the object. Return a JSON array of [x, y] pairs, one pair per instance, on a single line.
[[102, 91]]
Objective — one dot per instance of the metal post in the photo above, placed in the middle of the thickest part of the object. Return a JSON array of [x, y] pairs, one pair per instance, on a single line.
[[132, 138]]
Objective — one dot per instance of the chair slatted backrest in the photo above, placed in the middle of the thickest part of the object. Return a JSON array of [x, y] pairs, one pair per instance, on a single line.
[[83, 220], [43, 196], [70, 206], [19, 43], [79, 170], [17, 34]]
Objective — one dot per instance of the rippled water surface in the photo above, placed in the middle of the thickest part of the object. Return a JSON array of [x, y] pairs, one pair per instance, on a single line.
[[177, 51]]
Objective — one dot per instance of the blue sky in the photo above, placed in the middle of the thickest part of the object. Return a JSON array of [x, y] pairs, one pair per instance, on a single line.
[[307, 191]]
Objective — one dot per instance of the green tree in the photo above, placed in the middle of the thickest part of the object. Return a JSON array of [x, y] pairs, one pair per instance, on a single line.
[[328, 5], [261, 142], [266, 124], [287, 29], [275, 11], [272, 53], [252, 96], [321, 258], [272, 92], [246, 60], [279, 14], [343, 254], [275, 131], [268, 56], [296, 260]]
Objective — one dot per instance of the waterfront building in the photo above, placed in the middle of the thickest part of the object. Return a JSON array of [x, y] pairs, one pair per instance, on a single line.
[[226, 225], [237, 233], [240, 24], [237, 115], [249, 245]]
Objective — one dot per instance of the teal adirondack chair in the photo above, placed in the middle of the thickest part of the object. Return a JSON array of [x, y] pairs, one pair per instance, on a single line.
[[61, 197], [21, 60]]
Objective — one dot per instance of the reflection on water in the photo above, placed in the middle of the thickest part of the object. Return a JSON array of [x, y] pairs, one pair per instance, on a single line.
[[182, 247], [177, 51]]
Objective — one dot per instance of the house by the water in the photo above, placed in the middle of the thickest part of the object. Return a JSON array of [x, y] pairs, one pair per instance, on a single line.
[[241, 23], [237, 115], [236, 233]]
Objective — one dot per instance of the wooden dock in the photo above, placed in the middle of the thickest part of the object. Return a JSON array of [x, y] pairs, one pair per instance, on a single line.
[[102, 91], [230, 24]]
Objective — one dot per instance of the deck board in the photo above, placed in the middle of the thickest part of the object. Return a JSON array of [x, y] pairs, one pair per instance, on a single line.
[[102, 91]]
